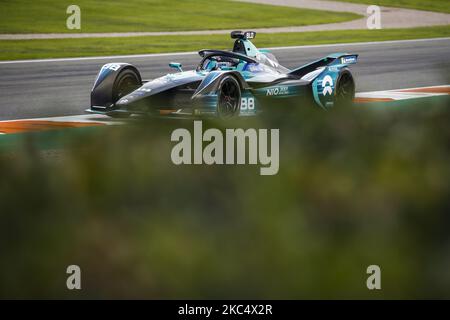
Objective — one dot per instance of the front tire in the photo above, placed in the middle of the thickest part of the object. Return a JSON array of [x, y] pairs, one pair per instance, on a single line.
[[229, 98], [126, 82]]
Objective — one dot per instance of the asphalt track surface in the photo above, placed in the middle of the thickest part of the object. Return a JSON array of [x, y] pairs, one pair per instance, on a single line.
[[57, 88]]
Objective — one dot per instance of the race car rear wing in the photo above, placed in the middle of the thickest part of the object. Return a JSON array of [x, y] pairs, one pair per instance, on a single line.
[[338, 60], [344, 58]]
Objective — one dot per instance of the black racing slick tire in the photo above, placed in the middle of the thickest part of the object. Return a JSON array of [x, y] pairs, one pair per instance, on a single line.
[[228, 98], [345, 89], [126, 82]]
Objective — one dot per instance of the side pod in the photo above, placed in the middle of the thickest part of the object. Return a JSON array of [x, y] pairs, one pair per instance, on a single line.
[[211, 82]]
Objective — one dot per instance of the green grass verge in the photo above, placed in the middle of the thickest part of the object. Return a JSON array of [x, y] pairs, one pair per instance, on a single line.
[[21, 16], [429, 5], [63, 48]]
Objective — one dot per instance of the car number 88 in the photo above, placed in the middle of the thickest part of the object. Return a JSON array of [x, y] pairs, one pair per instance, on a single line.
[[247, 103]]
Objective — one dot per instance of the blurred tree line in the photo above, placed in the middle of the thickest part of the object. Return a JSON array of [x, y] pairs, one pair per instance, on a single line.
[[357, 186]]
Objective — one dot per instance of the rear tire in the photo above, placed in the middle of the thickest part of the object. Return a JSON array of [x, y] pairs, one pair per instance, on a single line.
[[345, 89], [229, 98]]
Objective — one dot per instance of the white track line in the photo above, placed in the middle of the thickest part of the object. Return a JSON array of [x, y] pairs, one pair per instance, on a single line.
[[82, 118], [195, 52], [404, 94], [415, 88]]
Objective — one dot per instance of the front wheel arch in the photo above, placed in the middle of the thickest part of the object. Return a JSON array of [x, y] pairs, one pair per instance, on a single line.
[[102, 93]]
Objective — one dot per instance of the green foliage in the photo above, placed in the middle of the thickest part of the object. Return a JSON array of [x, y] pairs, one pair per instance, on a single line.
[[357, 186]]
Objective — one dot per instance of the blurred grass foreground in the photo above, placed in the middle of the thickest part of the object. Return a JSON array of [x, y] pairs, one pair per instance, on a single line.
[[356, 187]]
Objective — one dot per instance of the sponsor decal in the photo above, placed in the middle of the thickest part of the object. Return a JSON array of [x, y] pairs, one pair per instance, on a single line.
[[255, 67], [345, 60], [277, 91], [327, 84], [145, 89]]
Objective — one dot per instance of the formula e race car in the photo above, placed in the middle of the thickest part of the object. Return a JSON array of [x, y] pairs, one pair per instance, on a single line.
[[225, 84]]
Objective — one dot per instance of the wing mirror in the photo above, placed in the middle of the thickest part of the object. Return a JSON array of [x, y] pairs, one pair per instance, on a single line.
[[176, 65]]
